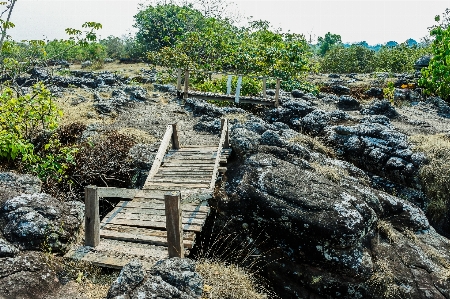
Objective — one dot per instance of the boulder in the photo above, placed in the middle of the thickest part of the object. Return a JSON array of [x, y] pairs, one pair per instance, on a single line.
[[28, 275], [334, 230], [340, 89], [375, 146], [167, 279], [348, 103], [7, 249], [86, 64], [380, 107], [164, 87], [141, 157], [297, 93], [422, 62], [37, 221], [374, 92]]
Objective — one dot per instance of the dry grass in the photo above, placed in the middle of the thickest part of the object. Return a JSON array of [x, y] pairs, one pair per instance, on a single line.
[[334, 174], [241, 117], [313, 144], [382, 282], [435, 175], [386, 230], [138, 136], [227, 281]]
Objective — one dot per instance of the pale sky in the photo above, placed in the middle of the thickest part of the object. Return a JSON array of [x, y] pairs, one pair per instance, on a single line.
[[372, 21]]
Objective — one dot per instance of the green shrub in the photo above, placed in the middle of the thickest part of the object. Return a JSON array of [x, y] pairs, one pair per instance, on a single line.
[[249, 87], [436, 77], [28, 118], [354, 59]]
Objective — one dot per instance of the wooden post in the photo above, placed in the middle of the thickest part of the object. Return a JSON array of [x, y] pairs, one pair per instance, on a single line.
[[175, 142], [186, 84], [226, 143], [264, 87], [91, 217], [179, 72], [277, 93], [174, 224]]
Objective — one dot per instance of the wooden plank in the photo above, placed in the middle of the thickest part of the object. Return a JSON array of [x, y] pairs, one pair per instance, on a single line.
[[222, 169], [185, 214], [161, 152], [145, 231], [179, 72], [92, 217], [226, 141], [277, 93], [175, 184], [175, 142], [116, 192], [188, 180], [156, 218], [159, 241], [160, 206], [174, 224], [186, 85], [154, 224], [219, 150], [264, 86]]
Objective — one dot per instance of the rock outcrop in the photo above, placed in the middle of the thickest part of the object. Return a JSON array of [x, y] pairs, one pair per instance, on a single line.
[[37, 221], [171, 278]]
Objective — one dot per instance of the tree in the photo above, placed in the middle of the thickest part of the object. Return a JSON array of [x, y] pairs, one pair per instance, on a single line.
[[6, 24], [163, 25], [327, 42], [436, 77]]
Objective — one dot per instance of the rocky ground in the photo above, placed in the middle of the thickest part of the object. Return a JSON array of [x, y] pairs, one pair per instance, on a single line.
[[324, 197]]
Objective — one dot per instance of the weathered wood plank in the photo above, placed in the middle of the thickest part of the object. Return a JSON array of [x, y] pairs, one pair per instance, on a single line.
[[161, 152], [154, 224], [157, 218], [219, 150], [175, 142], [154, 212], [175, 184], [174, 224], [159, 241], [92, 217], [145, 231], [176, 180]]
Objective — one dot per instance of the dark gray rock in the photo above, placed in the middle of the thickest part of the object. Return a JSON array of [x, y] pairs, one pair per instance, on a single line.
[[20, 183], [7, 249], [131, 275], [374, 92], [334, 76], [380, 107], [376, 147], [316, 121], [208, 124], [442, 107], [201, 107], [340, 89], [272, 138], [289, 112], [422, 62], [164, 87], [170, 278], [243, 141], [348, 103], [181, 274], [406, 95], [27, 275], [86, 64], [36, 220], [141, 157], [331, 228], [136, 93], [297, 93]]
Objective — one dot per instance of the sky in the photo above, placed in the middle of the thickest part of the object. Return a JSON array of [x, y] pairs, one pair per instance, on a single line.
[[364, 20]]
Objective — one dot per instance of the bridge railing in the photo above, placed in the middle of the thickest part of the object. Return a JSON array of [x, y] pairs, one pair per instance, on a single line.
[[185, 91], [172, 202]]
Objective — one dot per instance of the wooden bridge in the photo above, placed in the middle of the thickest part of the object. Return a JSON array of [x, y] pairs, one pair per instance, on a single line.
[[162, 219], [264, 99]]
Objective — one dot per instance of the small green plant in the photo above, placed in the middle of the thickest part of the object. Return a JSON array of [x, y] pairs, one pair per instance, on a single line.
[[25, 119], [388, 92]]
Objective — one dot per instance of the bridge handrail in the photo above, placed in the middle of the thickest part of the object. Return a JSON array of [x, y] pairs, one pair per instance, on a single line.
[[224, 140], [186, 82]]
